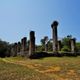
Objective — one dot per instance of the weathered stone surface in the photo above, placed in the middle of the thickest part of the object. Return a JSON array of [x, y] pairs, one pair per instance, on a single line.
[[73, 45], [23, 45], [32, 43], [54, 36], [46, 41], [59, 45], [14, 50], [18, 47]]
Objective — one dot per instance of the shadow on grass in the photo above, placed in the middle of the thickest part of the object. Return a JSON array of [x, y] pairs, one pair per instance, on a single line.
[[39, 55]]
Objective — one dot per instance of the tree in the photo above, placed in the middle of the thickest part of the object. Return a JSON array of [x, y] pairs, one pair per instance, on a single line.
[[44, 43], [66, 49], [66, 43], [78, 46], [66, 40], [4, 48], [50, 46]]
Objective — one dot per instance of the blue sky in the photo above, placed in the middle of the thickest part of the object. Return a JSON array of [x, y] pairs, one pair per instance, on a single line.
[[19, 17]]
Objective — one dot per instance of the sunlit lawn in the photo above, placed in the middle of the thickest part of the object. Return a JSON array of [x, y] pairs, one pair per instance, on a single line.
[[51, 68]]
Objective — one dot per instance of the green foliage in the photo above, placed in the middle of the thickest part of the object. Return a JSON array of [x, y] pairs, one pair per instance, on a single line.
[[66, 41], [65, 49], [4, 49], [50, 46], [78, 46], [39, 48], [42, 41], [66, 44], [42, 47]]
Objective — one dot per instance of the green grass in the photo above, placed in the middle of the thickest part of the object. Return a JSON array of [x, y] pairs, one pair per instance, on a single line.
[[51, 68]]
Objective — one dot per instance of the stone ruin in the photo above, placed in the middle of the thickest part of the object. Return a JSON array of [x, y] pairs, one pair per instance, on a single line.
[[73, 45], [23, 46], [32, 43], [46, 45], [20, 48], [54, 36], [14, 50], [59, 45]]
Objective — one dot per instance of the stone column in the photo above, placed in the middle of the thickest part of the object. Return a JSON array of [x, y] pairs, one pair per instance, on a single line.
[[59, 45], [73, 45], [18, 47], [14, 50], [15, 47], [23, 46], [46, 41], [54, 36], [32, 43]]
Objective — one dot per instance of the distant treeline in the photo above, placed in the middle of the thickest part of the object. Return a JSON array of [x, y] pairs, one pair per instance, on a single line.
[[5, 47]]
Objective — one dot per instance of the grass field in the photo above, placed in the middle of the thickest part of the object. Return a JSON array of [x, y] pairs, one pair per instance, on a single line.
[[51, 68]]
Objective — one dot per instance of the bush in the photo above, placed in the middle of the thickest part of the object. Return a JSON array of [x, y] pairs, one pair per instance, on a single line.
[[4, 49], [65, 49]]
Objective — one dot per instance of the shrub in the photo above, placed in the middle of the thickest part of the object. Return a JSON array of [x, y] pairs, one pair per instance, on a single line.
[[65, 49]]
